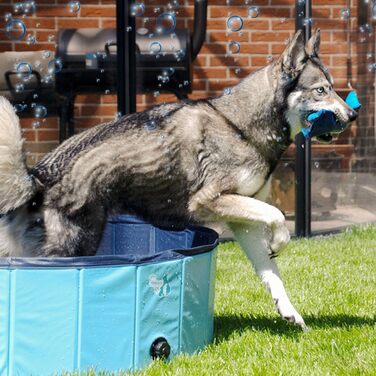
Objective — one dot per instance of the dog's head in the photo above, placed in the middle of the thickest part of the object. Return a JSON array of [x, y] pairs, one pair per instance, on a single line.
[[309, 87]]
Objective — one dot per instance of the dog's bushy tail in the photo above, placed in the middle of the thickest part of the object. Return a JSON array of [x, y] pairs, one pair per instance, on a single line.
[[16, 185]]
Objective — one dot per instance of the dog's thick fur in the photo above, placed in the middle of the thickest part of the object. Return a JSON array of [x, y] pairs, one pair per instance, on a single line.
[[193, 161]]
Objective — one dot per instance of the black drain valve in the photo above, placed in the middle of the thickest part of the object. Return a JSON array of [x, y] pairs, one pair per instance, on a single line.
[[160, 349]]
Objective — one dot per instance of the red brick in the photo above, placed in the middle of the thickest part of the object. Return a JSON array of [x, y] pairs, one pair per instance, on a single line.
[[48, 135]]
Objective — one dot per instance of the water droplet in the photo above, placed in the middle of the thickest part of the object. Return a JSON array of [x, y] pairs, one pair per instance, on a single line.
[[15, 29], [151, 125], [253, 12], [19, 88], [55, 65], [166, 23], [227, 90], [155, 48], [234, 47], [156, 94], [234, 23], [345, 13], [46, 54], [24, 70], [40, 111], [74, 6], [137, 9], [30, 39]]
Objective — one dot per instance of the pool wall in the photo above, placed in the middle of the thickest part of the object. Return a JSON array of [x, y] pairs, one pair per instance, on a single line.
[[62, 315]]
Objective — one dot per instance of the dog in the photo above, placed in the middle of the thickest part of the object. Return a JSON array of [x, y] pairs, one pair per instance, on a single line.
[[178, 163]]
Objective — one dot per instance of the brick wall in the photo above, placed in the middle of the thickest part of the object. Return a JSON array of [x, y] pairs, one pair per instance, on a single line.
[[261, 39]]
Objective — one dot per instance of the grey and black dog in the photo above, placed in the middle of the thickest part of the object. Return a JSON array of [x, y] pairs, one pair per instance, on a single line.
[[192, 161]]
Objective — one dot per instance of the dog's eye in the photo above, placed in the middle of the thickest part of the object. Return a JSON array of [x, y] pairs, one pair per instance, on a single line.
[[320, 90]]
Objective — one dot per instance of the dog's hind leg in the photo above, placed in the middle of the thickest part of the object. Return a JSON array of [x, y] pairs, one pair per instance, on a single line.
[[67, 237], [261, 232]]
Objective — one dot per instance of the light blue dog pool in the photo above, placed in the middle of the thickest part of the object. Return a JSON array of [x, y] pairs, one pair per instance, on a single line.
[[148, 293]]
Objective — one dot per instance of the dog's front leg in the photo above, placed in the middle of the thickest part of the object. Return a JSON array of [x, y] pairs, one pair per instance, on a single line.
[[260, 230]]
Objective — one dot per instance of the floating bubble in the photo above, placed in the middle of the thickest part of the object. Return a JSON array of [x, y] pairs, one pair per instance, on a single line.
[[142, 30], [186, 83], [173, 4], [74, 6], [269, 58], [179, 54], [234, 47], [234, 23], [51, 38], [19, 87], [55, 65], [227, 90], [35, 124], [25, 7], [163, 78], [169, 71], [156, 10], [40, 111], [156, 94], [30, 39], [46, 54], [7, 16], [24, 70], [374, 11], [128, 29], [137, 9], [308, 21], [15, 29], [237, 70], [253, 12], [155, 48], [166, 23], [19, 107], [107, 91], [372, 67], [345, 13]]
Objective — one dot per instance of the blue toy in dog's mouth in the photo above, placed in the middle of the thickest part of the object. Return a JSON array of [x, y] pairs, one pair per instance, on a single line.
[[322, 123]]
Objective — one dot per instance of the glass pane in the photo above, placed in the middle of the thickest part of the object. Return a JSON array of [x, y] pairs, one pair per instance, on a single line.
[[343, 172]]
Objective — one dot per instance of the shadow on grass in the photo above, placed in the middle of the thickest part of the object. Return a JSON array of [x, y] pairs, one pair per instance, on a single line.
[[226, 325]]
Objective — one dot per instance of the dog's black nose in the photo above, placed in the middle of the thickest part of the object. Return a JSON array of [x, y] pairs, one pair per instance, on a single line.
[[352, 115]]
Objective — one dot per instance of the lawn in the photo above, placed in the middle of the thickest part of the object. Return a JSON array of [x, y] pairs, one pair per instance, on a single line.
[[331, 281]]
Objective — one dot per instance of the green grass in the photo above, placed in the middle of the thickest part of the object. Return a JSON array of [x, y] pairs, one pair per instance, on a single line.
[[332, 283]]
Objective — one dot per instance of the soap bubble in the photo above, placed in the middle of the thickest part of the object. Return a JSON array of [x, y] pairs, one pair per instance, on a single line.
[[345, 13], [227, 90], [374, 11], [253, 12], [166, 23], [24, 70], [7, 16], [51, 38], [55, 65], [19, 88], [19, 107], [35, 124], [74, 6], [234, 23], [25, 7], [137, 9], [151, 125], [234, 47], [308, 21], [15, 29], [372, 67], [46, 54], [40, 111], [155, 48], [30, 39]]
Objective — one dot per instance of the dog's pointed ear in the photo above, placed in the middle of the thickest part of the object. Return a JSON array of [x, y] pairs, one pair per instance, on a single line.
[[294, 56], [313, 45]]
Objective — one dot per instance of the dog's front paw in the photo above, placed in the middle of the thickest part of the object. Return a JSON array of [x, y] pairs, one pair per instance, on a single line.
[[290, 314], [280, 237]]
